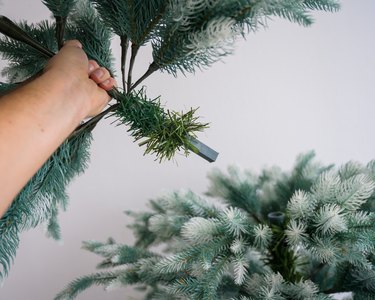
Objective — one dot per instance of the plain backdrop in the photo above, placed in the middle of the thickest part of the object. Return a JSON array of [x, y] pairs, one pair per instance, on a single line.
[[286, 90]]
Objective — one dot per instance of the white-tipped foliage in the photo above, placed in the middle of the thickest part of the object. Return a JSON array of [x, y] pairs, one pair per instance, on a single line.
[[238, 246], [302, 290], [262, 236], [199, 230], [330, 219], [165, 226], [350, 169], [240, 266], [296, 232], [171, 264], [355, 191], [265, 287], [218, 32], [235, 221], [324, 250], [300, 205], [326, 187]]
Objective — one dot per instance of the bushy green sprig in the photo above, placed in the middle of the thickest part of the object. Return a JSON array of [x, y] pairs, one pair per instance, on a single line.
[[162, 132]]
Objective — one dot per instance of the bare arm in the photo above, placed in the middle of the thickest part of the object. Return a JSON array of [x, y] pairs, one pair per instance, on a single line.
[[36, 118]]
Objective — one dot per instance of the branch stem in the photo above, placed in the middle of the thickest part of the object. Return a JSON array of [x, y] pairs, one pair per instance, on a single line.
[[90, 124], [60, 30], [153, 67], [135, 49], [124, 50]]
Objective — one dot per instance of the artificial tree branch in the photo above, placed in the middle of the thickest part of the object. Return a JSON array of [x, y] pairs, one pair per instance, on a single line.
[[10, 29], [134, 53], [90, 124], [152, 68], [124, 50], [135, 47], [60, 30]]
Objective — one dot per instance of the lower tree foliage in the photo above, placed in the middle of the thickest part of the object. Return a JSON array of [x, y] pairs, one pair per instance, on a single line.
[[320, 240]]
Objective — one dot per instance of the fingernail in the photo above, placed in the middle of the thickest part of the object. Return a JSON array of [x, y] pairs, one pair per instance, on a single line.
[[73, 43], [107, 82], [91, 67], [98, 73]]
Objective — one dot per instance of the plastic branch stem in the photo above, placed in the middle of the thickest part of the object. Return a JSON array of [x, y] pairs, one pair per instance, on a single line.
[[60, 30], [90, 124], [135, 49], [124, 50], [10, 29], [153, 67], [276, 218]]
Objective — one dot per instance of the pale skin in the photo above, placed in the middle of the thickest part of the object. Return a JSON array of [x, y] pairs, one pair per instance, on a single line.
[[36, 118]]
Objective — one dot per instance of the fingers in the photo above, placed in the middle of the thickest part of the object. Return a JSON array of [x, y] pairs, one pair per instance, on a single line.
[[93, 65], [101, 76], [73, 43], [108, 84]]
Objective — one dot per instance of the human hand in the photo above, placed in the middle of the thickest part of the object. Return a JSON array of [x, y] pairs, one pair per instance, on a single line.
[[84, 80], [37, 117]]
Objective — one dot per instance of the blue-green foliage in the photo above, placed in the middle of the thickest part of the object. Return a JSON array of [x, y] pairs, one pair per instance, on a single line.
[[84, 26], [133, 19], [60, 8], [25, 61], [41, 199], [324, 243], [196, 33]]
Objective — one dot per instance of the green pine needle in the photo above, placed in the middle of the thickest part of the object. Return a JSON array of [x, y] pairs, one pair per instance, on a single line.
[[163, 133]]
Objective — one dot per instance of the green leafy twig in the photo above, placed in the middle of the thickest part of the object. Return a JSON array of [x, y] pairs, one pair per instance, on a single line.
[[162, 132]]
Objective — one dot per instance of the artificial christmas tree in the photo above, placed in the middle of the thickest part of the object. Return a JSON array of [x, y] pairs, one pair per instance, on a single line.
[[301, 235], [184, 35]]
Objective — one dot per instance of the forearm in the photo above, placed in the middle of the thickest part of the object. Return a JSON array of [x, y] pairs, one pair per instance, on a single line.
[[34, 120]]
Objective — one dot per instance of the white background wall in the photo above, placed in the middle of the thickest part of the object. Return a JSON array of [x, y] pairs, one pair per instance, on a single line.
[[285, 91]]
